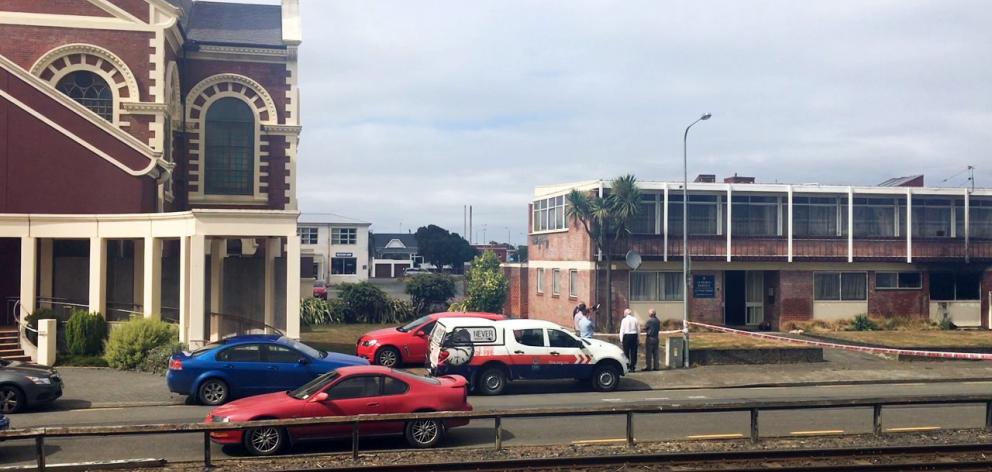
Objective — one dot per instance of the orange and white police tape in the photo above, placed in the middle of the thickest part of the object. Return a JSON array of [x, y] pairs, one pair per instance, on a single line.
[[848, 347]]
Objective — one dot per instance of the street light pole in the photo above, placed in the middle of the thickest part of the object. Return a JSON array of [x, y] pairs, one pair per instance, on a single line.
[[685, 239]]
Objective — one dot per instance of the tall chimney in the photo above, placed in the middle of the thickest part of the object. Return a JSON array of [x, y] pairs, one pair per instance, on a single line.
[[471, 234]]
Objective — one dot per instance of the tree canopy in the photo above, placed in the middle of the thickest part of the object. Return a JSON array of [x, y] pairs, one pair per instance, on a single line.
[[441, 247]]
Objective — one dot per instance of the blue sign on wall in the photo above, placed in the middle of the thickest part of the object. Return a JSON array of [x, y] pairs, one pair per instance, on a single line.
[[704, 286]]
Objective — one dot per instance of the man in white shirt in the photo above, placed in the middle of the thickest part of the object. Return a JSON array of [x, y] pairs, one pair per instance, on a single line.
[[629, 328], [578, 315]]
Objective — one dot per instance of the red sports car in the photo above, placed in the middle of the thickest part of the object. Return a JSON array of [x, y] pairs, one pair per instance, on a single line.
[[406, 344], [346, 391]]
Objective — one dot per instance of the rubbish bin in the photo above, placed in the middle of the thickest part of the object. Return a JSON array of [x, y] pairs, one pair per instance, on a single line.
[[675, 352]]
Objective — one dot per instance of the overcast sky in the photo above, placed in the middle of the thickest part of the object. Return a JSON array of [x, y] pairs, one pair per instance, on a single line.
[[413, 109]]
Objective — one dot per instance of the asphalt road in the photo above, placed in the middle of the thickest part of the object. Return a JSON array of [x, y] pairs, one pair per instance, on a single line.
[[533, 431]]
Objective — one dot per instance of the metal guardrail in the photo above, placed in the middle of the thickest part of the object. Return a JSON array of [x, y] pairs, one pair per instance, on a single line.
[[754, 408]]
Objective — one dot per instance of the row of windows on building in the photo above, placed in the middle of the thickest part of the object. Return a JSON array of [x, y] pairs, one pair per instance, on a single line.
[[573, 282], [230, 128], [827, 286], [344, 236], [812, 216]]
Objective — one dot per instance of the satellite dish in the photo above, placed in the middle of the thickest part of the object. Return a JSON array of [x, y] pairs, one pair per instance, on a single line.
[[633, 259]]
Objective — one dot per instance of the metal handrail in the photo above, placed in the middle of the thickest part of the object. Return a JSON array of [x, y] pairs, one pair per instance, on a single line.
[[39, 434]]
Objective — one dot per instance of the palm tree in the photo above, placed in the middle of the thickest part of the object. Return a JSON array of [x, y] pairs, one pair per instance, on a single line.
[[606, 219]]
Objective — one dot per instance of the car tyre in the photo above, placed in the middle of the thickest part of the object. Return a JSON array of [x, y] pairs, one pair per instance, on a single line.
[[424, 433], [605, 378], [387, 356], [264, 441], [213, 392], [11, 399], [491, 381]]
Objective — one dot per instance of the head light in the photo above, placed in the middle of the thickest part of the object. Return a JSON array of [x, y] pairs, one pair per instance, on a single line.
[[221, 419], [370, 342], [40, 380]]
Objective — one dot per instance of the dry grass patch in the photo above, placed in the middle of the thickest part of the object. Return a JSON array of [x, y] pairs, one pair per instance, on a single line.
[[920, 339], [702, 340], [339, 337]]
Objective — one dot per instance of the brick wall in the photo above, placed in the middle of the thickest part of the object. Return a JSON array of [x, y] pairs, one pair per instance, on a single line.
[[708, 310], [64, 7], [796, 295], [889, 303], [556, 308], [573, 245], [270, 76], [516, 300]]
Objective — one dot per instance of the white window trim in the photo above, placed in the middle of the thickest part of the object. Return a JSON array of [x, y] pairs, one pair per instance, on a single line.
[[841, 286], [573, 289], [540, 280], [556, 277], [898, 287]]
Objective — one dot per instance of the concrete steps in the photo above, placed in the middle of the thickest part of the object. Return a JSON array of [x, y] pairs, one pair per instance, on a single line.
[[10, 346]]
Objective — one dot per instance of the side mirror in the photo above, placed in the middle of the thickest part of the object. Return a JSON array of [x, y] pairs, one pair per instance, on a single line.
[[303, 361], [320, 397], [420, 334]]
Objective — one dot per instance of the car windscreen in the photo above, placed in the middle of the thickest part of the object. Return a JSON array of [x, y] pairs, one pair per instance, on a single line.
[[205, 349], [414, 323], [307, 350], [314, 386]]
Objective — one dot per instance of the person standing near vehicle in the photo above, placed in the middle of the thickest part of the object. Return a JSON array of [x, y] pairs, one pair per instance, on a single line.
[[578, 314], [651, 328], [628, 337], [585, 327]]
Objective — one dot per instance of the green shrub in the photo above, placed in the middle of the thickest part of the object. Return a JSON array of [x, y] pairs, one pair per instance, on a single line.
[[157, 359], [430, 290], [946, 324], [32, 322], [487, 285], [401, 310], [863, 323], [85, 333], [364, 303], [316, 311], [131, 342]]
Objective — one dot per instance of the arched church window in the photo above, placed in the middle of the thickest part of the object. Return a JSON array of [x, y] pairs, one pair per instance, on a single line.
[[90, 90], [230, 148]]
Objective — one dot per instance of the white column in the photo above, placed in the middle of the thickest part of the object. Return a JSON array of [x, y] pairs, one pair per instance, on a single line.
[[850, 224], [138, 273], [789, 215], [151, 302], [46, 266], [664, 222], [273, 246], [218, 251], [98, 275], [909, 226], [730, 213], [197, 290], [29, 249], [184, 289], [47, 342], [293, 286], [967, 233]]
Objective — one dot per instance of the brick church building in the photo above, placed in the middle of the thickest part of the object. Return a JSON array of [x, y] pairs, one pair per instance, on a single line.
[[148, 155]]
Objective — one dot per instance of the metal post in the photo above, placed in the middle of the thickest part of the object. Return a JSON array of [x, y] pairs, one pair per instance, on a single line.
[[685, 238], [499, 433], [877, 420], [988, 416], [754, 425], [630, 429], [354, 441], [39, 447], [206, 450]]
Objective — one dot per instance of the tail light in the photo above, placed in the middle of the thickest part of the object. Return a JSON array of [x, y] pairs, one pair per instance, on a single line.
[[175, 364], [442, 356]]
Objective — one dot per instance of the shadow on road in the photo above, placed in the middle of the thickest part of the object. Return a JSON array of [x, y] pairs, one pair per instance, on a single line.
[[23, 450]]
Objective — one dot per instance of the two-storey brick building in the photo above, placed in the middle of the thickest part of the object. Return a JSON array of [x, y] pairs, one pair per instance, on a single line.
[[148, 155], [770, 253]]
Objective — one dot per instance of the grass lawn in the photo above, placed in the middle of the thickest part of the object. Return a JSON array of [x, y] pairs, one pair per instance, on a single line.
[[916, 338], [338, 337], [731, 341]]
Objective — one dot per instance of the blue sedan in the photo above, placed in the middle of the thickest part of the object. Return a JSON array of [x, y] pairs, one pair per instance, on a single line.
[[242, 366]]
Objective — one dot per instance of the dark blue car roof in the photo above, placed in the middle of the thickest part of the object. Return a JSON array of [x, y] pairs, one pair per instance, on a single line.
[[250, 338]]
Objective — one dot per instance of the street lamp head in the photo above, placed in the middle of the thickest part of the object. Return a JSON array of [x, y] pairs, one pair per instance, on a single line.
[[705, 116]]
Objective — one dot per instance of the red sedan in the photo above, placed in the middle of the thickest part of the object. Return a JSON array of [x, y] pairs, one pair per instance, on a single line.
[[346, 391], [406, 344]]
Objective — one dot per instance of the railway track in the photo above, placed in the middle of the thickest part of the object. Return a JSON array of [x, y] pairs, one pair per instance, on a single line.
[[959, 457]]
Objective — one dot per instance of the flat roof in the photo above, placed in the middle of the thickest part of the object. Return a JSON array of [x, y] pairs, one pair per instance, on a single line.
[[650, 185]]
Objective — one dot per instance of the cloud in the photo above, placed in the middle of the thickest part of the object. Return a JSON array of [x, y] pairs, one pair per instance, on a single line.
[[413, 109]]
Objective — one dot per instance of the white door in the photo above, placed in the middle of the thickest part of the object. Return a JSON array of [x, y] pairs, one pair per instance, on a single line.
[[754, 283]]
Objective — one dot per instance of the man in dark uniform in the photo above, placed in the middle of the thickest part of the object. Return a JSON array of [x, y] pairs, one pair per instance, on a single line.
[[651, 328]]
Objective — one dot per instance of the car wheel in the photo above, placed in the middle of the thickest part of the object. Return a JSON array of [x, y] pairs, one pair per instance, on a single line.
[[492, 381], [11, 399], [605, 378], [424, 433], [388, 357], [264, 441], [213, 392]]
